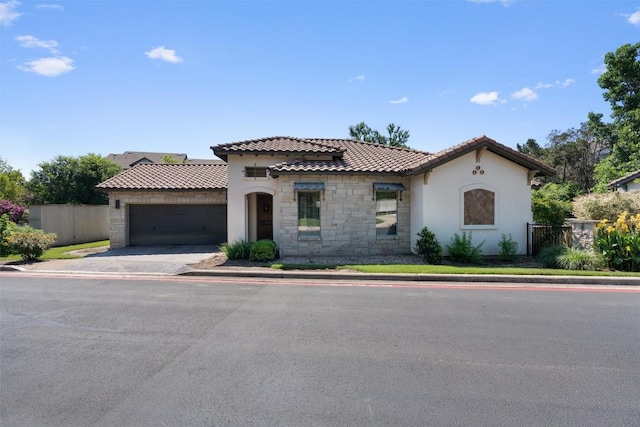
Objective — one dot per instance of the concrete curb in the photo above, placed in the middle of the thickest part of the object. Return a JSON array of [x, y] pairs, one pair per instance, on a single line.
[[472, 278]]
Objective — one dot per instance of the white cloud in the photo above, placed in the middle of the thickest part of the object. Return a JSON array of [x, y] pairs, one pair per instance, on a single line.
[[634, 18], [49, 6], [164, 54], [600, 69], [525, 94], [402, 100], [502, 2], [542, 86], [31, 41], [565, 83], [8, 12], [49, 67], [486, 98], [356, 78]]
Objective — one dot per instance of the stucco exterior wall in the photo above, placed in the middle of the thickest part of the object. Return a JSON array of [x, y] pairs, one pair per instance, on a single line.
[[347, 217], [240, 204], [119, 217], [72, 224], [442, 206]]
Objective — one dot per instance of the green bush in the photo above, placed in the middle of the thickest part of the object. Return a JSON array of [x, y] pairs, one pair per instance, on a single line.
[[508, 248], [428, 247], [606, 206], [6, 228], [263, 250], [463, 250], [619, 244], [236, 250], [578, 259], [548, 256], [29, 243]]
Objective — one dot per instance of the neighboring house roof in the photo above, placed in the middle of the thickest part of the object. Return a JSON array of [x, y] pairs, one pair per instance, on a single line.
[[169, 177], [350, 156], [482, 143], [624, 180], [129, 159]]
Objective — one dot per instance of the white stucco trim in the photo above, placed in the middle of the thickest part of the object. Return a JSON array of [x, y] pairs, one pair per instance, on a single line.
[[496, 203], [250, 190]]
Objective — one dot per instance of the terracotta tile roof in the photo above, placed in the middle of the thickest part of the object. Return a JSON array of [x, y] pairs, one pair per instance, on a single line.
[[275, 145], [624, 180], [357, 157], [169, 177], [483, 142]]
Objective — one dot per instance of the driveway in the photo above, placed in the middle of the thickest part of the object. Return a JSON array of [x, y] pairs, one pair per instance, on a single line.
[[134, 259]]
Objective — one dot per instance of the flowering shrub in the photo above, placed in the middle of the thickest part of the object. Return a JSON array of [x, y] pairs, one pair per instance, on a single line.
[[619, 243], [607, 205], [29, 243], [16, 213]]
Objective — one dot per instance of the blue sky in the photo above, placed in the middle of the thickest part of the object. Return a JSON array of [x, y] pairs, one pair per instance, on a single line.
[[180, 76]]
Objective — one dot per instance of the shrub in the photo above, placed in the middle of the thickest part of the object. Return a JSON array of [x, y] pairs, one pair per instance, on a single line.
[[463, 250], [17, 214], [29, 243], [607, 205], [263, 250], [236, 250], [578, 259], [428, 247], [548, 256], [6, 228], [508, 248], [619, 244], [551, 204]]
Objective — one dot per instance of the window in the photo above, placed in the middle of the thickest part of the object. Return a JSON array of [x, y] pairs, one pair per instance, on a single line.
[[255, 172], [386, 213], [308, 214], [479, 207]]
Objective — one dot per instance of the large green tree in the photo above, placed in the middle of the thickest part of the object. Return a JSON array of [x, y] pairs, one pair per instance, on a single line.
[[396, 137], [621, 85], [12, 184], [72, 180]]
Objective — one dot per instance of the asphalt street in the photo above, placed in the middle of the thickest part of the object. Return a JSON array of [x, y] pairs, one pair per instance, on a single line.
[[181, 351]]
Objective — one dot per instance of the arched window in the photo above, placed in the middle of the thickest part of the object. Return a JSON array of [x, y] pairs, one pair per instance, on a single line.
[[479, 206]]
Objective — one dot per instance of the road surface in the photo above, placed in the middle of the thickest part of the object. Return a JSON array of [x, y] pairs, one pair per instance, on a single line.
[[78, 351]]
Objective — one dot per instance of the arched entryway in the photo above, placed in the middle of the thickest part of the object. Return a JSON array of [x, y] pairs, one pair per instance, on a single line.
[[260, 216]]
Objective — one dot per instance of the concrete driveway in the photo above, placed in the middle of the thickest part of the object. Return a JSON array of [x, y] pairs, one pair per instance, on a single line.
[[134, 259]]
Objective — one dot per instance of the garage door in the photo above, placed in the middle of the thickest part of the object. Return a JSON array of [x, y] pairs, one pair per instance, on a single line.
[[177, 224]]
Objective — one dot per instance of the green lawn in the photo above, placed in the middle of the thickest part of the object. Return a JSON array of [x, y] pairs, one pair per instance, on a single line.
[[61, 252], [450, 269]]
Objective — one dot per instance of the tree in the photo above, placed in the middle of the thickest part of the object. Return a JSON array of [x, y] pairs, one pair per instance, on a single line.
[[169, 159], [397, 137], [72, 180], [12, 184], [575, 154], [533, 149], [621, 85]]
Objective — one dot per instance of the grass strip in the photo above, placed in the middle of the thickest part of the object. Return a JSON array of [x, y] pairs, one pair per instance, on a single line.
[[61, 252], [450, 269]]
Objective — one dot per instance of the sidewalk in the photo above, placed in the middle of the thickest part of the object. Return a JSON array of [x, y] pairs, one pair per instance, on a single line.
[[173, 264]]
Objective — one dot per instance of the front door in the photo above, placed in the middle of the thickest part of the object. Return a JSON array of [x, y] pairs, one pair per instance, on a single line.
[[265, 216]]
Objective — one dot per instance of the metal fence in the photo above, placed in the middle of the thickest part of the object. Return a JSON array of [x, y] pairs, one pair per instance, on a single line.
[[540, 236]]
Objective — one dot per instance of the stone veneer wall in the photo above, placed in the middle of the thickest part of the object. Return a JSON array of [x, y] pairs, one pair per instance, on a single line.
[[347, 218], [118, 218], [583, 233]]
